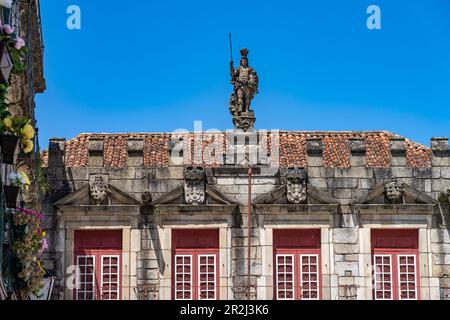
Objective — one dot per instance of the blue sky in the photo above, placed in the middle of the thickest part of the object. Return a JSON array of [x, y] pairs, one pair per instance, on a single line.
[[151, 66]]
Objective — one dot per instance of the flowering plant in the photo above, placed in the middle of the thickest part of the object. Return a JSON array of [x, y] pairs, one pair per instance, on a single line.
[[20, 127], [19, 179], [16, 46], [28, 249], [17, 50], [14, 125]]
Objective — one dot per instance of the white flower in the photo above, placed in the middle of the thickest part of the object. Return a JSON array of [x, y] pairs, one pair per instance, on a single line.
[[12, 177], [16, 179], [6, 3]]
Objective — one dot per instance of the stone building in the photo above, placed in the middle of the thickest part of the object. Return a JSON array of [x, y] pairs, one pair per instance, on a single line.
[[335, 215], [24, 17], [249, 213]]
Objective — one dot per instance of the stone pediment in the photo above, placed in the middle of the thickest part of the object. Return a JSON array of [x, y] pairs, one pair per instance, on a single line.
[[280, 196], [178, 197], [172, 208], [395, 192], [396, 202], [83, 197]]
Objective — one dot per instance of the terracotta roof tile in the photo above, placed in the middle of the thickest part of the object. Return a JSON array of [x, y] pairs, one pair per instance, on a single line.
[[115, 153], [417, 155], [336, 151], [378, 151], [77, 152], [156, 150], [292, 149], [290, 146]]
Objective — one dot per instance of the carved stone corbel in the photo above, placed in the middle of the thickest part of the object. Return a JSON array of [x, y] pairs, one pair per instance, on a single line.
[[393, 191], [296, 184], [194, 185], [98, 188]]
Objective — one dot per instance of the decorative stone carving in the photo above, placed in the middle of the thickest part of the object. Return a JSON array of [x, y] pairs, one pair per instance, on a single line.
[[244, 122], [194, 185], [295, 173], [296, 184], [296, 192], [394, 190], [245, 82], [146, 197], [98, 188], [194, 173]]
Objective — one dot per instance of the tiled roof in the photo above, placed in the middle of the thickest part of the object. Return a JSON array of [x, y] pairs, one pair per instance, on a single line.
[[292, 148], [418, 155], [77, 152], [115, 154], [378, 150], [336, 151]]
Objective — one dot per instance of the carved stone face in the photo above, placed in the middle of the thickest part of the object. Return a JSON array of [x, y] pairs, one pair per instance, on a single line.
[[296, 192]]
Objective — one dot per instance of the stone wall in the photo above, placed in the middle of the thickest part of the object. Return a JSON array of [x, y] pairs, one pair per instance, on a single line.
[[349, 274]]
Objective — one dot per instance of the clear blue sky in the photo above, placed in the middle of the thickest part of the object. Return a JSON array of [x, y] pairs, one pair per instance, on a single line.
[[150, 66]]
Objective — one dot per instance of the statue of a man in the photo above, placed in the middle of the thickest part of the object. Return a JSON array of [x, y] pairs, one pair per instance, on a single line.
[[245, 81]]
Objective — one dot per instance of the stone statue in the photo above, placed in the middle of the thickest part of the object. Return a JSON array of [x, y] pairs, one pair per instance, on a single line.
[[245, 81]]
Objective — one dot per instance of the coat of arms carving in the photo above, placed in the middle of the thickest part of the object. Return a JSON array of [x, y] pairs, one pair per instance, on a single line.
[[394, 190], [98, 188], [194, 185]]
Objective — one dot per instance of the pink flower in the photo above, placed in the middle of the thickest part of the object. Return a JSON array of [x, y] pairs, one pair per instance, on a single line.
[[44, 244], [8, 29], [20, 43]]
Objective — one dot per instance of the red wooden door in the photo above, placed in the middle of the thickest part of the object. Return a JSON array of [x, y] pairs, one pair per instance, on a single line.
[[195, 262], [297, 264], [395, 260], [98, 256]]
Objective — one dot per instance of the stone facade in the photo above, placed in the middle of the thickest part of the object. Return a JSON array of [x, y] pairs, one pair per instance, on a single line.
[[342, 184]]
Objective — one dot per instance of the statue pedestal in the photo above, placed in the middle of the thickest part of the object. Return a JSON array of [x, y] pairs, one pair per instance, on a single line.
[[244, 121]]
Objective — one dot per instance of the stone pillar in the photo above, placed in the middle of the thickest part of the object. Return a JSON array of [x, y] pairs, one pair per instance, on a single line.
[[440, 251], [240, 259], [346, 261], [440, 182], [314, 150], [149, 264], [96, 147], [135, 148], [55, 257]]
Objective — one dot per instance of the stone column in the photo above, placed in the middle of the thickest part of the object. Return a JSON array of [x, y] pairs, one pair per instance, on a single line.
[[346, 261], [149, 263], [240, 259]]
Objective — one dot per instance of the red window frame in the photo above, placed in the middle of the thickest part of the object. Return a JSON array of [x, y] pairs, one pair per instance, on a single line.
[[298, 246], [398, 251], [98, 254], [198, 273]]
